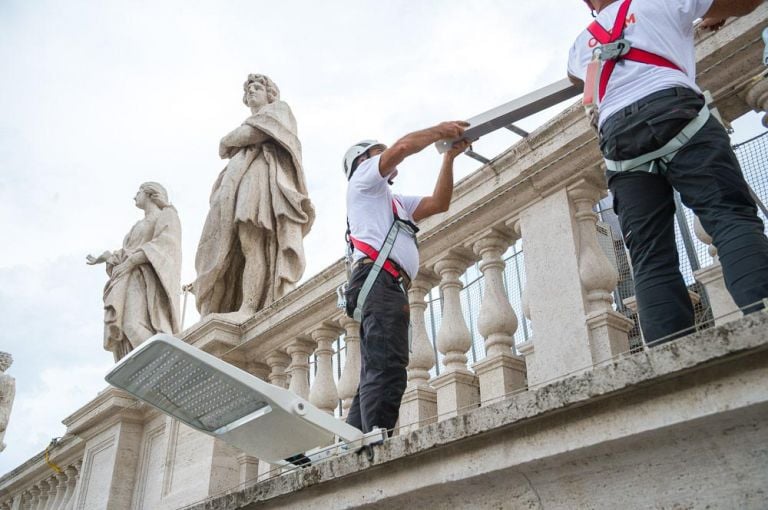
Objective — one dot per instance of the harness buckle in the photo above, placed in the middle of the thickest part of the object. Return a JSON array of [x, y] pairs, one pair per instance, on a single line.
[[613, 51]]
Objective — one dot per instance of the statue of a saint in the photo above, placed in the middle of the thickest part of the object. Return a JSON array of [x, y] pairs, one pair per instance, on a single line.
[[141, 297], [251, 251], [7, 392]]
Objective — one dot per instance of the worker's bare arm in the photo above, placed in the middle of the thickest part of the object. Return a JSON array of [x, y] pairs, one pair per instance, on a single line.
[[417, 141], [440, 199]]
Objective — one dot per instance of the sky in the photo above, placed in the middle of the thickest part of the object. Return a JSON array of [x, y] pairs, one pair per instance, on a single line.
[[100, 96]]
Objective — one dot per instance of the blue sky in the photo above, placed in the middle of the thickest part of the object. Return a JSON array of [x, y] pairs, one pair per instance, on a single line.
[[98, 97]]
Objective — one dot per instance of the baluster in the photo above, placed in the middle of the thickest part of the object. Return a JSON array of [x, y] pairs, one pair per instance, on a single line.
[[68, 479], [350, 376], [74, 478], [501, 372], [724, 308], [323, 393], [60, 482], [35, 499], [608, 329], [457, 388], [419, 404], [756, 96], [299, 350], [278, 362], [45, 493]]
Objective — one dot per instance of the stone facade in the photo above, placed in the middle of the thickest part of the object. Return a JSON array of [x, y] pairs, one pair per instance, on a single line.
[[571, 420]]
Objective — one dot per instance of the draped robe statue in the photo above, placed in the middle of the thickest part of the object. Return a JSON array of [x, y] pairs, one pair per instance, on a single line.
[[251, 250], [7, 393], [141, 297]]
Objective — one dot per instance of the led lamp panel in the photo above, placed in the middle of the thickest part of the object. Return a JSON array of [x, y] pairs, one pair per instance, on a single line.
[[221, 400]]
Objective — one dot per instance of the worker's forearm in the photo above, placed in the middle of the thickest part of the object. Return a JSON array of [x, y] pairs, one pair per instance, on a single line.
[[417, 141], [444, 185]]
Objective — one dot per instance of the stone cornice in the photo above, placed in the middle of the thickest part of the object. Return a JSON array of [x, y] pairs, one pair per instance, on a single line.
[[109, 407]]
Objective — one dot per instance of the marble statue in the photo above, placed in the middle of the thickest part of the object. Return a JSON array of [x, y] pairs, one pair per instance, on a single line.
[[7, 393], [141, 297], [251, 250]]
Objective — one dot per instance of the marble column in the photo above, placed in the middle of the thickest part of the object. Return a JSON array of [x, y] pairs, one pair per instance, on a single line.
[[323, 393], [299, 351], [608, 329], [458, 390], [724, 308], [419, 405], [502, 371], [350, 375]]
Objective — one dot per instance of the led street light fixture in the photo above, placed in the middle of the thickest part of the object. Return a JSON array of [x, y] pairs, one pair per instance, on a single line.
[[216, 398]]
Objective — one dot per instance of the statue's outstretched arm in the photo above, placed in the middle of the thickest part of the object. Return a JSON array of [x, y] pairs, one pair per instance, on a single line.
[[101, 259]]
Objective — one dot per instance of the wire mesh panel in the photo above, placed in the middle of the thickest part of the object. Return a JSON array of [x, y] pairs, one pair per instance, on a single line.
[[753, 155]]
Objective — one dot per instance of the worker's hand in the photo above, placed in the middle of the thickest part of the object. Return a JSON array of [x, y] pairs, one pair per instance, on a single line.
[[711, 24], [457, 148], [451, 129]]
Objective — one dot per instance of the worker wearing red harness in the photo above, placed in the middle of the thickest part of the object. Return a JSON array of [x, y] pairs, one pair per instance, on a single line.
[[656, 135], [372, 208]]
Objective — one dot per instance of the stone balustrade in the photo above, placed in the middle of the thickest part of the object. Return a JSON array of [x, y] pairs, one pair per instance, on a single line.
[[541, 192]]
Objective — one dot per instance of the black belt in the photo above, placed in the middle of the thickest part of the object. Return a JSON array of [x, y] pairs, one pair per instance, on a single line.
[[403, 275], [640, 103]]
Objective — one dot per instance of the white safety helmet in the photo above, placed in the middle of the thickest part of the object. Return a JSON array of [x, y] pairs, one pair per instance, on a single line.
[[355, 151]]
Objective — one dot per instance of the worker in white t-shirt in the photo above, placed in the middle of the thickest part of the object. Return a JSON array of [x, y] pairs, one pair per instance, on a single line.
[[637, 64], [384, 315]]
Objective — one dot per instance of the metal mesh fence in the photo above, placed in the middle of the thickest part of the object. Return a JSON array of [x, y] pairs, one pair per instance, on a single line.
[[694, 255]]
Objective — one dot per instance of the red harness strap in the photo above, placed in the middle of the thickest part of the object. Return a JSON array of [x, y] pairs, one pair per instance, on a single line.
[[372, 253], [635, 54]]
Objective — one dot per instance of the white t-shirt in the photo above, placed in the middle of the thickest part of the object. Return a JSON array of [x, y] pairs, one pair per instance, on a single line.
[[369, 211], [663, 27]]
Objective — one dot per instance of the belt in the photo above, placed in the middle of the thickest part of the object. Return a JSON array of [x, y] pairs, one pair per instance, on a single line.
[[640, 103], [403, 275]]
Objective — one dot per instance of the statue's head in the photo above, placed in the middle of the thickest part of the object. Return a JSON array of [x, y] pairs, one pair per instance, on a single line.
[[6, 360], [156, 193], [258, 90]]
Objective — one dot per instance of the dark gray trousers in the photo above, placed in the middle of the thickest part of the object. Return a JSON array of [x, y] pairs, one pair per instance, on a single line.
[[383, 349], [707, 175]]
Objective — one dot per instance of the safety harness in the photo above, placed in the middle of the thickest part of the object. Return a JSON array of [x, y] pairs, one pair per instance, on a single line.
[[380, 257], [613, 48]]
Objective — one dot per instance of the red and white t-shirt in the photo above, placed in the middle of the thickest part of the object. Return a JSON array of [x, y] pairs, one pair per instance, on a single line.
[[663, 27], [369, 210]]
